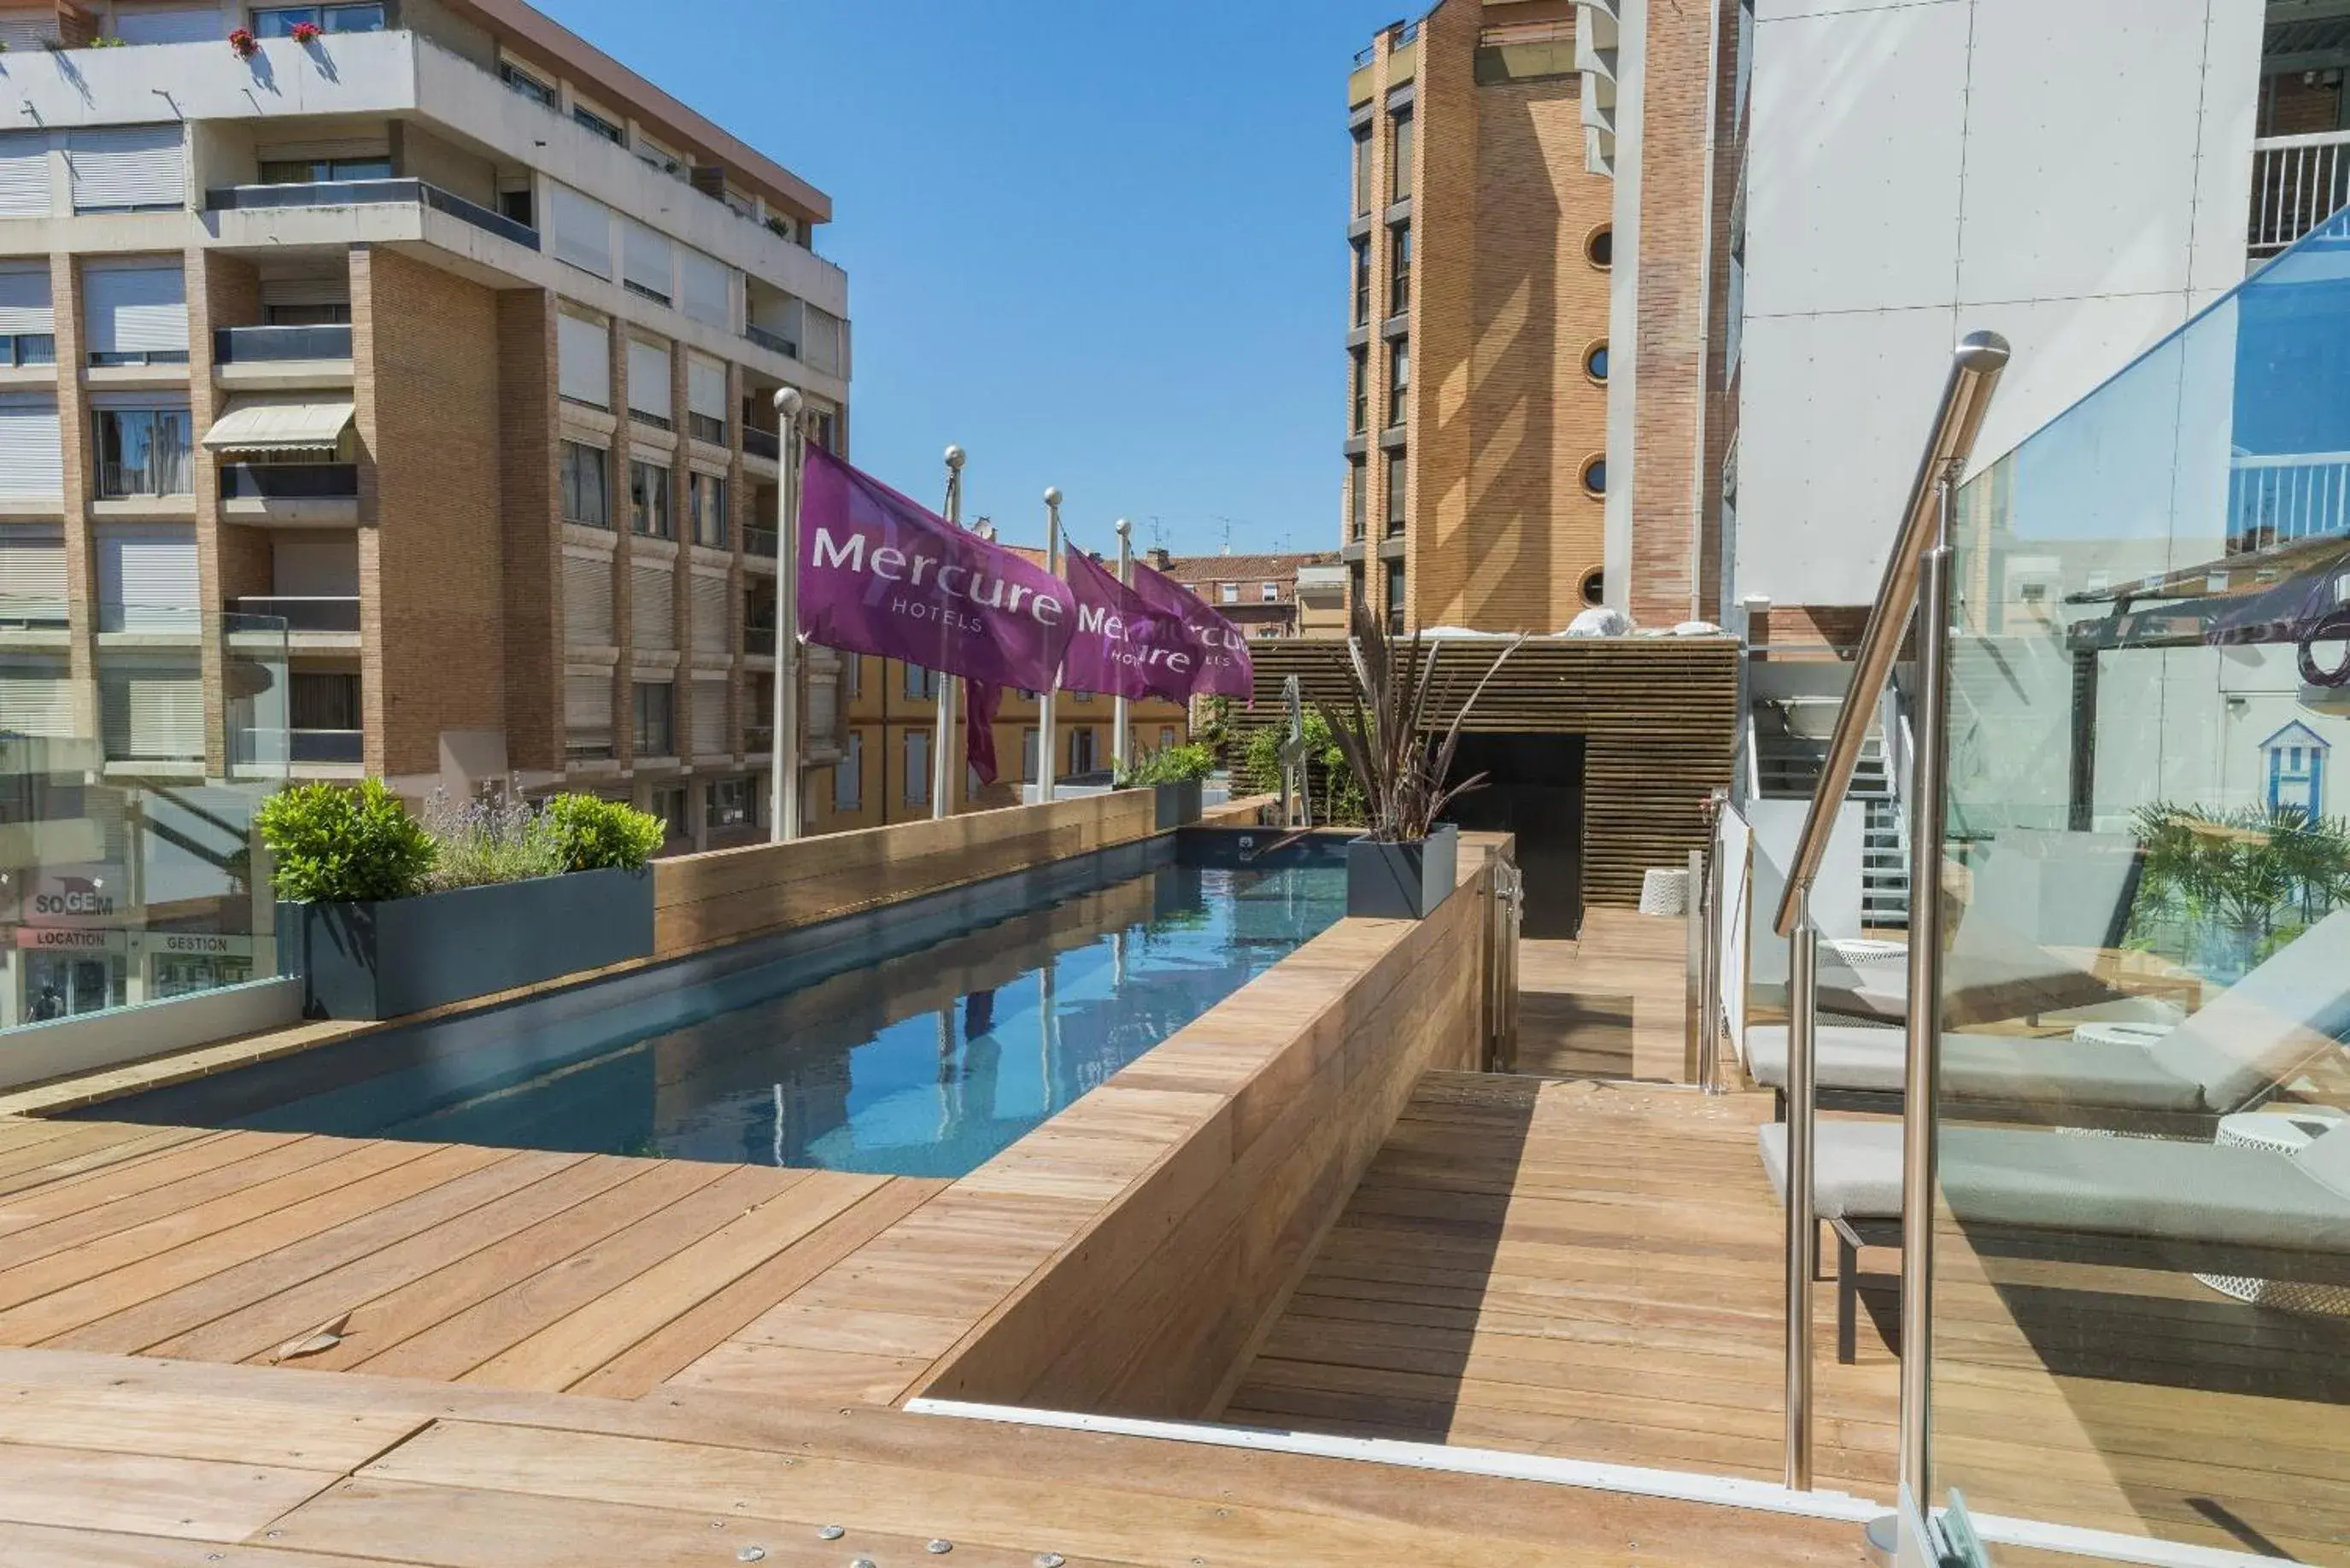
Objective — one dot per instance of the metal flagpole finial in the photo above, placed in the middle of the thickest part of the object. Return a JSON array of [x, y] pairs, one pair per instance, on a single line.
[[1051, 495], [1124, 528], [788, 401], [954, 457]]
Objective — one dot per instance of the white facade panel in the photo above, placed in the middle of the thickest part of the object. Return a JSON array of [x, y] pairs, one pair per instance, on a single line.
[[120, 168], [583, 359], [141, 308], [24, 185]]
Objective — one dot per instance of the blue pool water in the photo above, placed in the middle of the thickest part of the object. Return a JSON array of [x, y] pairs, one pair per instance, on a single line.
[[900, 1052]]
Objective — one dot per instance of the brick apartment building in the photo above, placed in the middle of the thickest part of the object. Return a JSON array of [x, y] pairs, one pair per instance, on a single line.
[[443, 339], [1293, 595]]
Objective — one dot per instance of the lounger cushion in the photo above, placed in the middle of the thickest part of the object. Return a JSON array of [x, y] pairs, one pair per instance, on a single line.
[[2326, 1159], [1856, 1167], [2270, 1023], [1982, 1067]]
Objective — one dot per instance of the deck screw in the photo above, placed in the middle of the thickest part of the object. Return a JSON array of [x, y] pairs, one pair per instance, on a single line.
[[830, 1532], [861, 1562], [939, 1548], [750, 1554], [1050, 1559]]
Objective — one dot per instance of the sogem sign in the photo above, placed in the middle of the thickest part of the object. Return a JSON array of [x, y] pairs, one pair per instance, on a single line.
[[73, 896]]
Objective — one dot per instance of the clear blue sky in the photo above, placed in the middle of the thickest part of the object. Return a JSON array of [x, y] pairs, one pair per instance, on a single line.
[[1100, 244]]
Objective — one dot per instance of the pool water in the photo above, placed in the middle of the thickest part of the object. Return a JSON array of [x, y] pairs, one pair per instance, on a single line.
[[926, 1062]]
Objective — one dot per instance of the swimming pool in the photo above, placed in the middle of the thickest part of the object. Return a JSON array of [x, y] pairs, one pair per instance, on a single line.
[[917, 1041]]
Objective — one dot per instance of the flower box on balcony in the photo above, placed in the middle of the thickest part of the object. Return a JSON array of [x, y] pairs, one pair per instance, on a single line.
[[389, 958]]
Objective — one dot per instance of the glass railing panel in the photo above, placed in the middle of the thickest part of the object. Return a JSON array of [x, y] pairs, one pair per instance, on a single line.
[[128, 862], [2142, 1290]]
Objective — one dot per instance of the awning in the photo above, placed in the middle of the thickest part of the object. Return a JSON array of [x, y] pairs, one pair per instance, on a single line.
[[280, 425]]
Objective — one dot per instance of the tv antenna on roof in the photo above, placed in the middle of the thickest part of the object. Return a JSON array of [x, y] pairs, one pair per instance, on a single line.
[[1228, 531]]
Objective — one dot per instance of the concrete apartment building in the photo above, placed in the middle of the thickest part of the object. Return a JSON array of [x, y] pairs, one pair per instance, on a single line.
[[441, 337], [1289, 594], [1478, 328]]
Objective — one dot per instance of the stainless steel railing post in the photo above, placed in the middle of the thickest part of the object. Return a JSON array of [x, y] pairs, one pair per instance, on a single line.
[[1709, 1036], [1802, 1227], [1931, 777]]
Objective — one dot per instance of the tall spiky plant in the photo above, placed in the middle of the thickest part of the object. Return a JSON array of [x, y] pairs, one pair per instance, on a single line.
[[1382, 730]]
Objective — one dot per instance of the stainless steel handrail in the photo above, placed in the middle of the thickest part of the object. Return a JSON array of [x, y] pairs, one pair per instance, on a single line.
[[1975, 369]]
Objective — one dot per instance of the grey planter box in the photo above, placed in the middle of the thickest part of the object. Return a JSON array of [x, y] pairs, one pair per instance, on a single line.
[[1179, 804], [388, 959], [1402, 881]]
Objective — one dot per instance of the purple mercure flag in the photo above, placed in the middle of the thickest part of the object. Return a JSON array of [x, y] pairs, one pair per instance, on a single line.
[[1122, 645], [880, 574], [1225, 668]]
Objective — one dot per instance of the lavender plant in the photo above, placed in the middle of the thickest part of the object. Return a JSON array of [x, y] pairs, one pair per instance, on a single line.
[[495, 837]]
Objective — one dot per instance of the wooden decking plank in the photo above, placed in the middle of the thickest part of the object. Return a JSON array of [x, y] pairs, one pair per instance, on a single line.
[[456, 1345], [51, 1546], [69, 1141], [98, 1201], [193, 1499], [230, 1430], [724, 1314], [129, 1151]]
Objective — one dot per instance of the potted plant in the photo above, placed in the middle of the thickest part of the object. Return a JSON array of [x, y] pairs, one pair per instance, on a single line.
[[1408, 862], [305, 32], [384, 916], [243, 43], [1174, 773]]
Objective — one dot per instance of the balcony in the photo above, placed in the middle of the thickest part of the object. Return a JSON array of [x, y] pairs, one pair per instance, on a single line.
[[2298, 182], [759, 641], [2276, 500], [270, 748], [760, 542], [775, 342], [279, 345], [370, 194], [316, 494], [758, 740], [312, 614], [757, 442]]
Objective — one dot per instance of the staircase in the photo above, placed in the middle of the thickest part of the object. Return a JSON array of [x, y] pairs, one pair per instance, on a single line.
[[1787, 767]]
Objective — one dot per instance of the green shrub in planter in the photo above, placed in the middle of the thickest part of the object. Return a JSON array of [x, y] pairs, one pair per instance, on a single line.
[[595, 834], [344, 845], [1170, 765]]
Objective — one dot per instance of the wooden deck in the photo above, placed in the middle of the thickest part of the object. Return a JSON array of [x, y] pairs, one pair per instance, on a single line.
[[1610, 1005]]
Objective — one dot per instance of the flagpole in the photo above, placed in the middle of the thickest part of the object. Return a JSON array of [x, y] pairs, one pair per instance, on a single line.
[[942, 742], [1048, 757], [1117, 737], [784, 781]]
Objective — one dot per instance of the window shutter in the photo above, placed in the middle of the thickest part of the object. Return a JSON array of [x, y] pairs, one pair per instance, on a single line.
[[25, 299], [147, 579], [587, 709], [24, 174], [32, 462], [708, 289], [587, 600], [135, 309], [710, 717], [583, 230], [31, 574], [646, 259], [649, 390], [918, 768], [820, 339], [583, 358], [118, 168], [652, 612], [707, 593], [172, 26], [705, 388], [153, 712], [35, 696], [28, 32]]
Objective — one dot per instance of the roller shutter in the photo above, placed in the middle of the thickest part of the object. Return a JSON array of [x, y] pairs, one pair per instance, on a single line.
[[710, 717], [583, 354], [24, 174], [706, 592], [649, 373], [135, 309], [705, 388], [127, 168], [648, 260], [587, 600], [32, 575], [25, 298], [153, 712], [147, 579], [588, 711], [178, 25], [652, 608], [32, 464], [708, 289], [35, 696], [582, 230]]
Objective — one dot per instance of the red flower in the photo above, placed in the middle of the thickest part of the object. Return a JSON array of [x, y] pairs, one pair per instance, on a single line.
[[305, 32], [243, 42]]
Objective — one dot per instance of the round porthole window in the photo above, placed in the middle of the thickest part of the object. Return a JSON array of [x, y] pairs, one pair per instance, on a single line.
[[1595, 361], [1595, 588], [1599, 246], [1594, 474]]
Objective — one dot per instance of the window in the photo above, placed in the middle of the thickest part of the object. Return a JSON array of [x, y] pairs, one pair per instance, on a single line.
[[323, 170], [32, 465], [1399, 269], [529, 86], [517, 207], [1228, 593], [922, 685], [1594, 473], [1359, 390], [279, 21], [599, 124], [1271, 594], [135, 315], [705, 399], [1166, 737], [1599, 246], [323, 314], [728, 802], [1362, 170], [824, 429], [1396, 484], [649, 394], [581, 227], [1398, 381], [1358, 485], [852, 674], [648, 262], [324, 700], [1400, 156], [1362, 283], [1356, 586], [582, 469], [655, 736], [1595, 588], [1595, 361], [669, 804], [918, 768], [705, 495], [29, 348], [1081, 751], [144, 452], [128, 168], [583, 361], [1395, 597], [849, 775], [649, 500]]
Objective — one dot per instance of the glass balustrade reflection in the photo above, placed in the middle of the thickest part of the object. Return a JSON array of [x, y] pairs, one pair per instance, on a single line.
[[2142, 1298]]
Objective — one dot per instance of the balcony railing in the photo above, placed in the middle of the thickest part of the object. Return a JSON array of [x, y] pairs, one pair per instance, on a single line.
[[289, 482], [760, 542], [2298, 182], [326, 746], [775, 341], [305, 614], [759, 641], [757, 442], [260, 345], [2275, 500], [371, 193]]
